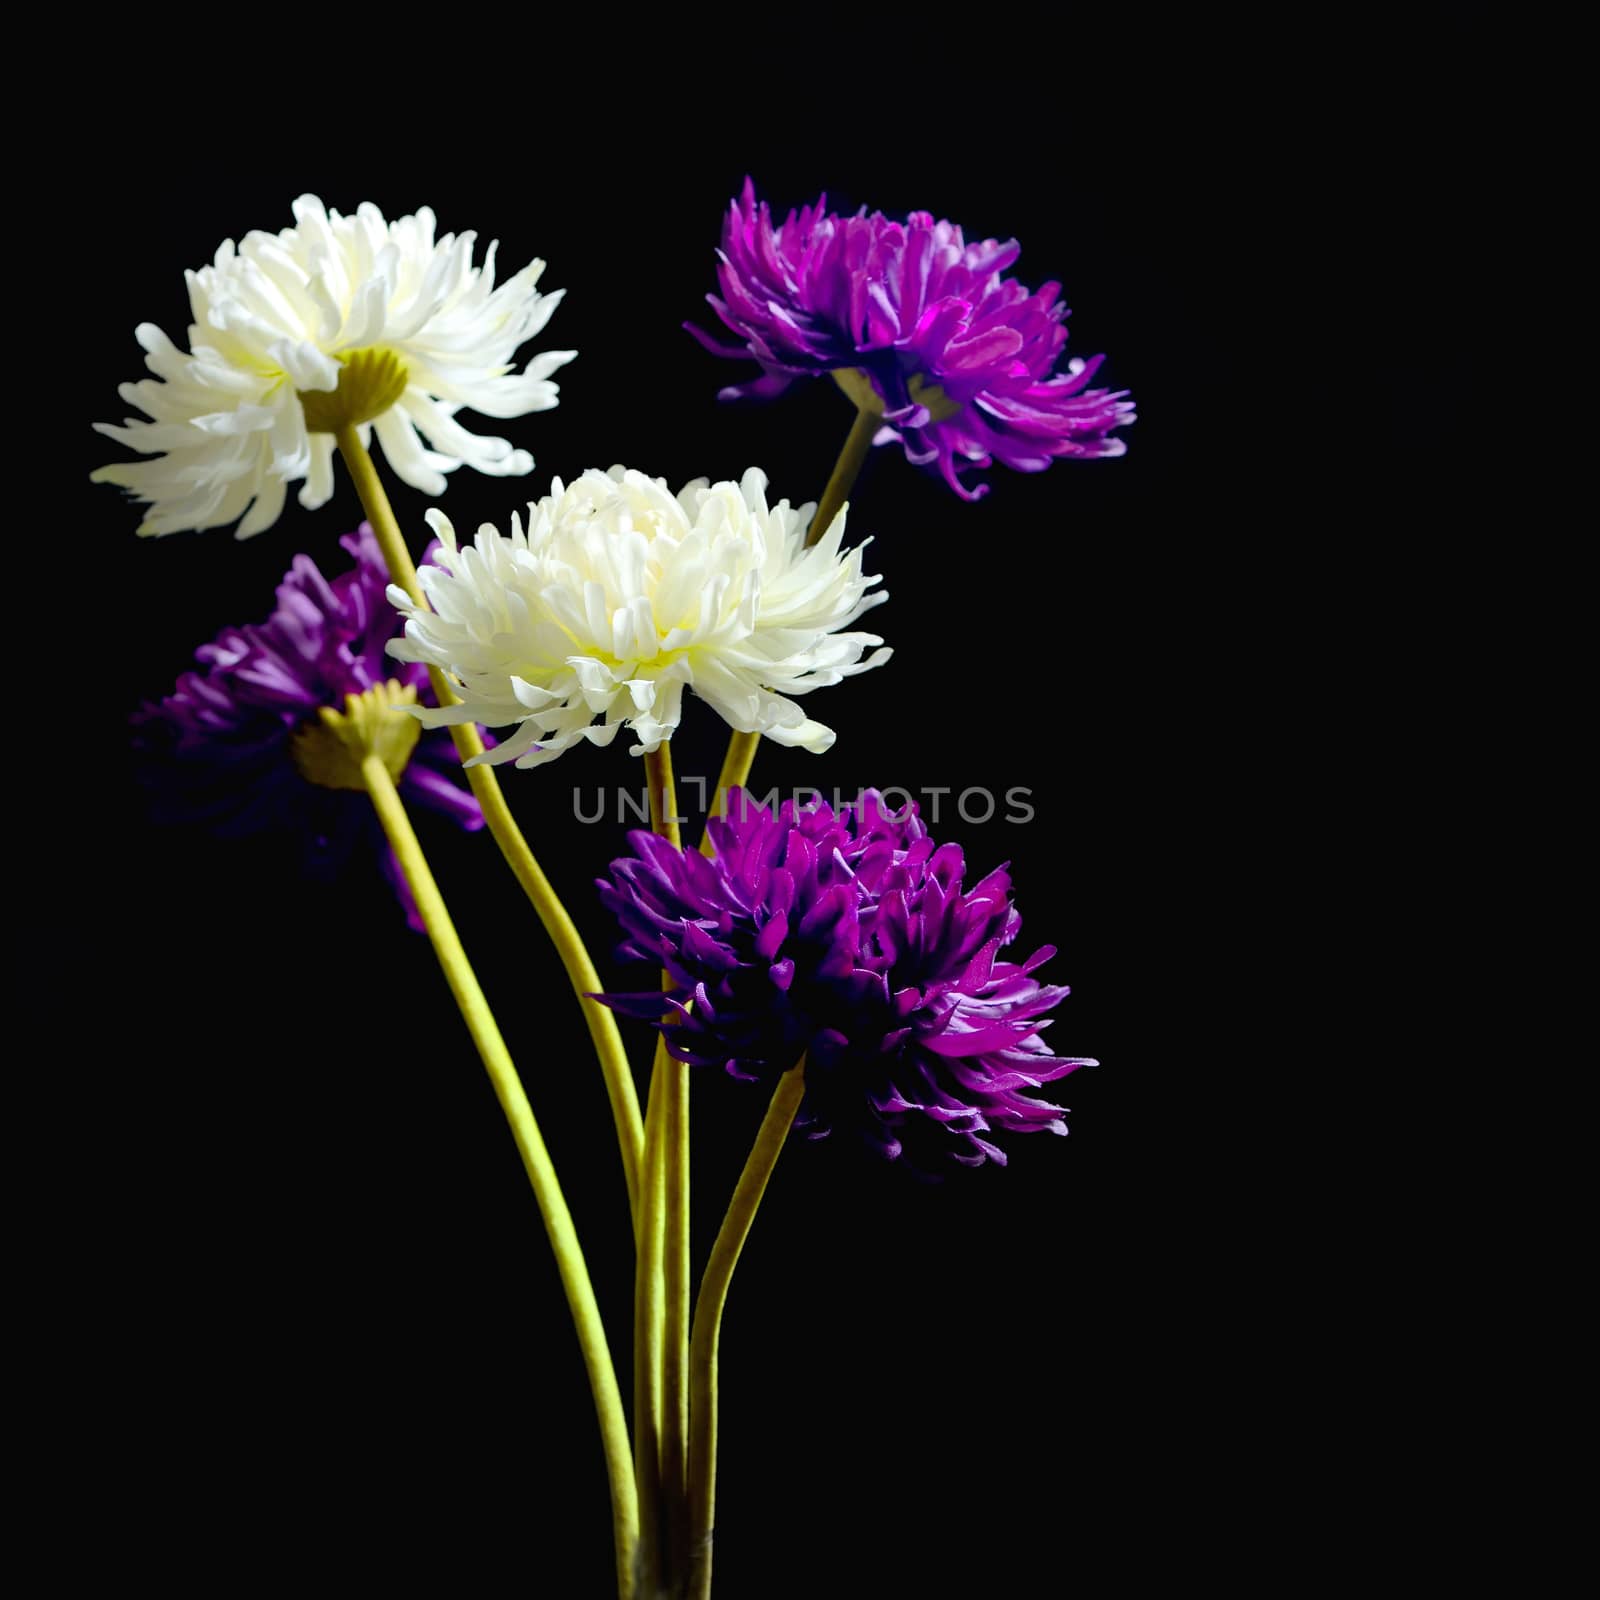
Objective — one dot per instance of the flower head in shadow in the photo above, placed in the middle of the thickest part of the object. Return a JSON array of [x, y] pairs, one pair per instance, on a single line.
[[238, 743]]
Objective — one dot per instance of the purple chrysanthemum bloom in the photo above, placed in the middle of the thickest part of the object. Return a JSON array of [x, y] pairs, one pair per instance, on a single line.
[[221, 748], [961, 359], [848, 937]]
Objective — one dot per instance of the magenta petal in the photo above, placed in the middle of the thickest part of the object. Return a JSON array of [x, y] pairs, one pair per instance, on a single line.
[[704, 339], [770, 940]]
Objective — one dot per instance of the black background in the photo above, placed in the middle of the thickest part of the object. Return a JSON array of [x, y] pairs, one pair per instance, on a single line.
[[319, 1283]]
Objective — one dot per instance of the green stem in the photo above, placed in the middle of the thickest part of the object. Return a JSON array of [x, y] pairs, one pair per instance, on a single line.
[[508, 1090], [708, 1321], [735, 773], [664, 818], [486, 786], [670, 1084], [857, 446], [648, 1304]]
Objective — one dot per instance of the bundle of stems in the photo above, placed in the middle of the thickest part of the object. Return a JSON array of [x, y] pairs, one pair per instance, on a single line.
[[662, 1477]]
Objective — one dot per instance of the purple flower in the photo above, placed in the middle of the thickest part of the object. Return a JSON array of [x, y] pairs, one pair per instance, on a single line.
[[849, 937], [217, 750], [916, 309]]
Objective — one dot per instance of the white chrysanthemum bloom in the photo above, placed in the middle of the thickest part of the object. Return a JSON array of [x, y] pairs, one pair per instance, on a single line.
[[618, 595], [336, 320]]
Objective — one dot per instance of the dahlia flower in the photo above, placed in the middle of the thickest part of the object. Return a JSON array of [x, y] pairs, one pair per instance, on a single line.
[[851, 938], [337, 319], [238, 744], [618, 595], [916, 324]]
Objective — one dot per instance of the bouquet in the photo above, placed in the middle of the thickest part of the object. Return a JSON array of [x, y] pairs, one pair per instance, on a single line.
[[833, 954]]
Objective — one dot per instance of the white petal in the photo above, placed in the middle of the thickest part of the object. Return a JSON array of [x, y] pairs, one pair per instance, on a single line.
[[318, 490], [267, 509], [402, 449]]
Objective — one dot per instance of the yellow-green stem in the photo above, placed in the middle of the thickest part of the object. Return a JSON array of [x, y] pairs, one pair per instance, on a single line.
[[735, 773], [708, 1321], [648, 1304], [670, 1084], [508, 1090], [497, 814], [742, 746], [664, 818], [857, 447]]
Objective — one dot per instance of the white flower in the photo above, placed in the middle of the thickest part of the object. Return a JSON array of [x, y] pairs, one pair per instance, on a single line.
[[618, 595], [417, 331]]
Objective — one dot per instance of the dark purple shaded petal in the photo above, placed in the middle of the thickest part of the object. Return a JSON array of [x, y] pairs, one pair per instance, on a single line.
[[395, 873], [648, 1006], [426, 786]]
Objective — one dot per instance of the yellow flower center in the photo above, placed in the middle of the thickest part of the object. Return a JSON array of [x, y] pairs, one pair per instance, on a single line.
[[855, 383], [329, 752], [373, 380]]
